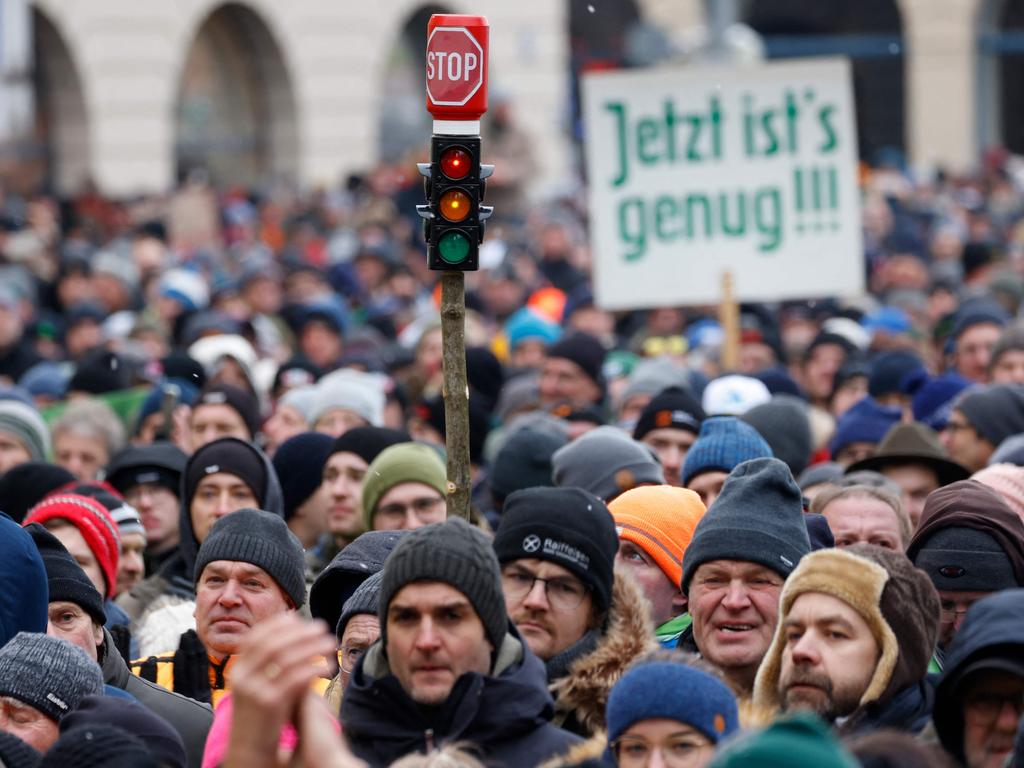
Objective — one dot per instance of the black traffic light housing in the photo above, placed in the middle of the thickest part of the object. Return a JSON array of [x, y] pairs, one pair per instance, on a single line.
[[454, 184]]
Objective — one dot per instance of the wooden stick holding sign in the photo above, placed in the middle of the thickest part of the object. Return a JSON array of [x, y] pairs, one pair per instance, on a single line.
[[729, 319]]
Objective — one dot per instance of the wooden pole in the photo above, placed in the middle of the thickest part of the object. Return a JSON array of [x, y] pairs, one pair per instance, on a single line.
[[455, 391], [729, 319]]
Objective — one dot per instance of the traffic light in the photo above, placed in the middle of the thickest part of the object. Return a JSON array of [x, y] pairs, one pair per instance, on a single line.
[[454, 214]]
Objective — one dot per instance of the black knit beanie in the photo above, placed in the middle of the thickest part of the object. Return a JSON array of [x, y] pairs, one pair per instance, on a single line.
[[65, 578], [758, 518], [456, 553], [996, 412], [262, 539], [565, 526], [363, 601], [584, 350], [237, 399], [367, 442], [98, 746], [231, 455], [299, 463], [524, 461], [160, 738], [675, 408], [24, 486], [15, 753]]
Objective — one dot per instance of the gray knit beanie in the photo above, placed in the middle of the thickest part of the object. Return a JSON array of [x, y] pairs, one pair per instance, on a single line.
[[606, 462], [784, 424], [262, 539], [363, 600], [758, 518], [456, 553], [24, 422], [48, 674], [996, 412]]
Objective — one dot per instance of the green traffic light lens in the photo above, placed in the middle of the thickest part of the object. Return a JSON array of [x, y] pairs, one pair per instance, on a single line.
[[453, 247]]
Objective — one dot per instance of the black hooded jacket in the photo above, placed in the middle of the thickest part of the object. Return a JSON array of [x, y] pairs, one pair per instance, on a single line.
[[505, 715], [992, 630]]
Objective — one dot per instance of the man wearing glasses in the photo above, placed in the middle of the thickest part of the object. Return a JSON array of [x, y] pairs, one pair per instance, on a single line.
[[557, 548], [981, 419], [980, 696], [971, 544], [404, 488]]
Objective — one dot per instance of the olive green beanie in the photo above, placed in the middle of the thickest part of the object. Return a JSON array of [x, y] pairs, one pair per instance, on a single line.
[[402, 463]]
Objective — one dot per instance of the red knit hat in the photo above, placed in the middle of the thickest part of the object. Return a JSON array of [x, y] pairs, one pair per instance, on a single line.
[[94, 523]]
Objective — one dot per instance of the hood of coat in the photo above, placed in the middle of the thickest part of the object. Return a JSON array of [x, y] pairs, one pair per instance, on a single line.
[[630, 633], [380, 719], [993, 630]]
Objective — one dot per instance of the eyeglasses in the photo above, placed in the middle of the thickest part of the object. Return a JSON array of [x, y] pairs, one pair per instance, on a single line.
[[564, 594], [349, 656], [422, 508], [952, 612], [984, 708], [680, 752]]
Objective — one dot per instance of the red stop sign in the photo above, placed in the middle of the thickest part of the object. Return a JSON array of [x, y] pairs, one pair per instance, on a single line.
[[457, 67]]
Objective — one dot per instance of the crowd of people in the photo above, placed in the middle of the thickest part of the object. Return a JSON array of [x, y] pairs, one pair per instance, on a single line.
[[226, 540]]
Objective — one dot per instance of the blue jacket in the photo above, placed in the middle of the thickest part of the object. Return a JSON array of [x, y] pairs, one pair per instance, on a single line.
[[24, 594], [506, 716], [992, 629]]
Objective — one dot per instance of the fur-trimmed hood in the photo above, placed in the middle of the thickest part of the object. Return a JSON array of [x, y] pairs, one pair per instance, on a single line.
[[583, 755], [583, 693]]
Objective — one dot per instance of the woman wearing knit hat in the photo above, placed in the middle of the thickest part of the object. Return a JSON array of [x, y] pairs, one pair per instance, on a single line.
[[88, 532], [655, 524], [646, 714]]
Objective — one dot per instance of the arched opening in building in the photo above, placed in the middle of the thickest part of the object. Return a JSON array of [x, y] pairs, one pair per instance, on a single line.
[[236, 115], [58, 158], [869, 32], [1001, 75], [404, 125]]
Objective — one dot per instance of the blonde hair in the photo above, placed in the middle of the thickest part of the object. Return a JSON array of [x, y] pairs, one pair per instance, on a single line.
[[832, 493]]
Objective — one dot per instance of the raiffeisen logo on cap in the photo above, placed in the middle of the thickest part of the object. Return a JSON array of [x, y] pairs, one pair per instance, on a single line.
[[567, 552]]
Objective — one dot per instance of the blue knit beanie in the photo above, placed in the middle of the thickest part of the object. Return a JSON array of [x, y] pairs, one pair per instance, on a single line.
[[933, 401], [674, 691], [526, 324], [889, 371], [866, 422], [723, 443], [757, 518]]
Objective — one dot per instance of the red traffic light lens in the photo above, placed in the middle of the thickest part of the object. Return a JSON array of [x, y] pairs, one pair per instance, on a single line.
[[455, 163], [454, 205]]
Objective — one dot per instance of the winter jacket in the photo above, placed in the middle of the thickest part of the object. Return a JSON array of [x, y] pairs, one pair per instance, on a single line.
[[505, 715], [23, 586], [156, 620], [581, 695], [189, 718], [992, 629]]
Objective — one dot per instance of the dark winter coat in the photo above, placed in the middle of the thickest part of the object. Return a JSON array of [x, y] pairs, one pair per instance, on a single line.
[[992, 629], [189, 718], [505, 715]]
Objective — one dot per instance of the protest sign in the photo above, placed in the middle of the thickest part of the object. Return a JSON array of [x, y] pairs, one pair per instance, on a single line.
[[694, 172]]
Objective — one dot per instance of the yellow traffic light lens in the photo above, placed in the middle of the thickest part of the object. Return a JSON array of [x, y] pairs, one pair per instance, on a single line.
[[454, 205]]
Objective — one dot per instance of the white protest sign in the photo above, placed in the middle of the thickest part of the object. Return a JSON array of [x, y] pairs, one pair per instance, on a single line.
[[696, 171]]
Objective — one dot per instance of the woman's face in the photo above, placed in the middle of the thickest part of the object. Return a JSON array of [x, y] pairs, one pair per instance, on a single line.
[[663, 742]]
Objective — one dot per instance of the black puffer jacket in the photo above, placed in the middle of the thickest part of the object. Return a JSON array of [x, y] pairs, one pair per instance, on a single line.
[[505, 715]]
